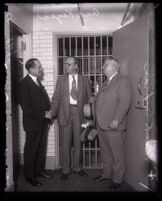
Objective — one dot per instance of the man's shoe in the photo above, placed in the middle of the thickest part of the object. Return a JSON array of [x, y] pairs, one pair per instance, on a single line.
[[99, 179], [34, 182], [64, 176], [45, 175], [114, 186], [81, 173]]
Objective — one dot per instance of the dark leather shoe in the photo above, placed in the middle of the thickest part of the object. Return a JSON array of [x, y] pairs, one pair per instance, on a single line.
[[114, 186], [82, 173], [64, 176], [45, 175], [34, 182], [99, 179]]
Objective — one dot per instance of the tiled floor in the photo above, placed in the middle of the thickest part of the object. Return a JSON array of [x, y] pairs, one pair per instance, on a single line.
[[75, 183]]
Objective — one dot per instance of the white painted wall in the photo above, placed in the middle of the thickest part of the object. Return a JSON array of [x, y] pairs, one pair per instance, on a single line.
[[97, 18]]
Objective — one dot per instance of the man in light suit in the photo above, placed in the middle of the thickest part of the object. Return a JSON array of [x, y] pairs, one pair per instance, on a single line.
[[35, 104], [112, 104], [71, 94]]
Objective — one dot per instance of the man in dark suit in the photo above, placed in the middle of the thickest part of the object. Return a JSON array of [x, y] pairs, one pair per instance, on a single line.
[[35, 104], [112, 104], [71, 94]]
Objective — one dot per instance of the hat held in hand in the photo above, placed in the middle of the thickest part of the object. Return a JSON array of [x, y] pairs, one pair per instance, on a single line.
[[89, 133]]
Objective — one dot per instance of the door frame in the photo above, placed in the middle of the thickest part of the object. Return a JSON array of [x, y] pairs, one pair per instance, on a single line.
[[9, 143]]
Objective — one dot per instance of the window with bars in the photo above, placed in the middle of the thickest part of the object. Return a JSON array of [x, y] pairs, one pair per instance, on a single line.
[[90, 52]]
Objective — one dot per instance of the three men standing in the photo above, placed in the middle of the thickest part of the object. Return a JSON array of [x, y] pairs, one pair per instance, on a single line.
[[72, 92]]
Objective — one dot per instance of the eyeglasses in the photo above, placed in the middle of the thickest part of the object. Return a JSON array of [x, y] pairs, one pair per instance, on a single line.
[[68, 64]]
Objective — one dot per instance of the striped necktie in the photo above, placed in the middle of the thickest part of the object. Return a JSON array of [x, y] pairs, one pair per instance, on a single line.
[[73, 92]]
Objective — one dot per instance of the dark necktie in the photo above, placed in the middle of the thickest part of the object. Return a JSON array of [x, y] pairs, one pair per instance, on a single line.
[[105, 85], [38, 82], [73, 92]]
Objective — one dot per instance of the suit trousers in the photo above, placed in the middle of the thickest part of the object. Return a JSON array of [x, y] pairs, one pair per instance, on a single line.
[[35, 151], [112, 153], [68, 134]]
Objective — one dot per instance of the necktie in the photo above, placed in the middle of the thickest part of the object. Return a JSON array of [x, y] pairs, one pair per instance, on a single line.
[[38, 82], [73, 92], [105, 85]]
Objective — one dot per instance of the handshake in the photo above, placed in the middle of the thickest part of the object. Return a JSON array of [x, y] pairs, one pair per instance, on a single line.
[[48, 114]]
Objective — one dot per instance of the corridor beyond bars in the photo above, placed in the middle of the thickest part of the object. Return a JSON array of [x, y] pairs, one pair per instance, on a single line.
[[90, 52]]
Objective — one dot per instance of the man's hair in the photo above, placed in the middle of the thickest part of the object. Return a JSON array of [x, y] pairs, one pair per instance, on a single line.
[[30, 63], [112, 58], [75, 59]]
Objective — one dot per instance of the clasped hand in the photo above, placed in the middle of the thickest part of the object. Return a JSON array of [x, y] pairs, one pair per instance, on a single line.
[[48, 114]]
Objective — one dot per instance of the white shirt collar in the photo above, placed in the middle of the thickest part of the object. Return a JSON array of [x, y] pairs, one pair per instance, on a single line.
[[76, 75], [33, 77], [112, 76]]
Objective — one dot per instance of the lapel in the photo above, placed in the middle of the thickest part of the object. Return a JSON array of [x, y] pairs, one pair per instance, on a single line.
[[40, 88], [65, 83], [107, 85], [32, 82], [80, 83]]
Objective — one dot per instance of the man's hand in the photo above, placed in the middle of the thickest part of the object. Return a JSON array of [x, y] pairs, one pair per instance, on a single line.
[[88, 123], [48, 114], [114, 124], [85, 125]]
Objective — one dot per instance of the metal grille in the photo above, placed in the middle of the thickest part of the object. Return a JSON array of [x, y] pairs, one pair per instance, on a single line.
[[90, 52]]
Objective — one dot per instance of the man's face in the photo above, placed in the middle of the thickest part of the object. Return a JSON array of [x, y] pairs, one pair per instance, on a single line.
[[70, 66], [37, 69], [109, 68]]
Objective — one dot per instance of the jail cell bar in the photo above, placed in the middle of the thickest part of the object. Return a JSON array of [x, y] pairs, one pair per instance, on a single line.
[[90, 52]]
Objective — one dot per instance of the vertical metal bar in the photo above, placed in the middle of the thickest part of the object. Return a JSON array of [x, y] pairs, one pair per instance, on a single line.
[[101, 44], [83, 151], [76, 46], [82, 56], [107, 44], [64, 54], [96, 162], [63, 46], [89, 151], [69, 46], [94, 57], [101, 60], [88, 57]]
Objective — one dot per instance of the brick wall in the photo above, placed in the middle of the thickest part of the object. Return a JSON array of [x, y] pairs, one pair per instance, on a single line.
[[43, 50]]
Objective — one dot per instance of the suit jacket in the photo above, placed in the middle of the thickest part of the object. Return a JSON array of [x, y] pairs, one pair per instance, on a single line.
[[61, 98], [34, 102], [112, 102]]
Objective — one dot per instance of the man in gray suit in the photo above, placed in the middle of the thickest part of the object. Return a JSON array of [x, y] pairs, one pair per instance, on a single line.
[[71, 94], [112, 104]]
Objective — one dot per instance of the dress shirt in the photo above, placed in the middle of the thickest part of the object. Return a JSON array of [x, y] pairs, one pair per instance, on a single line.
[[34, 79], [111, 77]]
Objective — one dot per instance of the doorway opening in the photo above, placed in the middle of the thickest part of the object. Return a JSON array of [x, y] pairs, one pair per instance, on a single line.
[[16, 56]]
